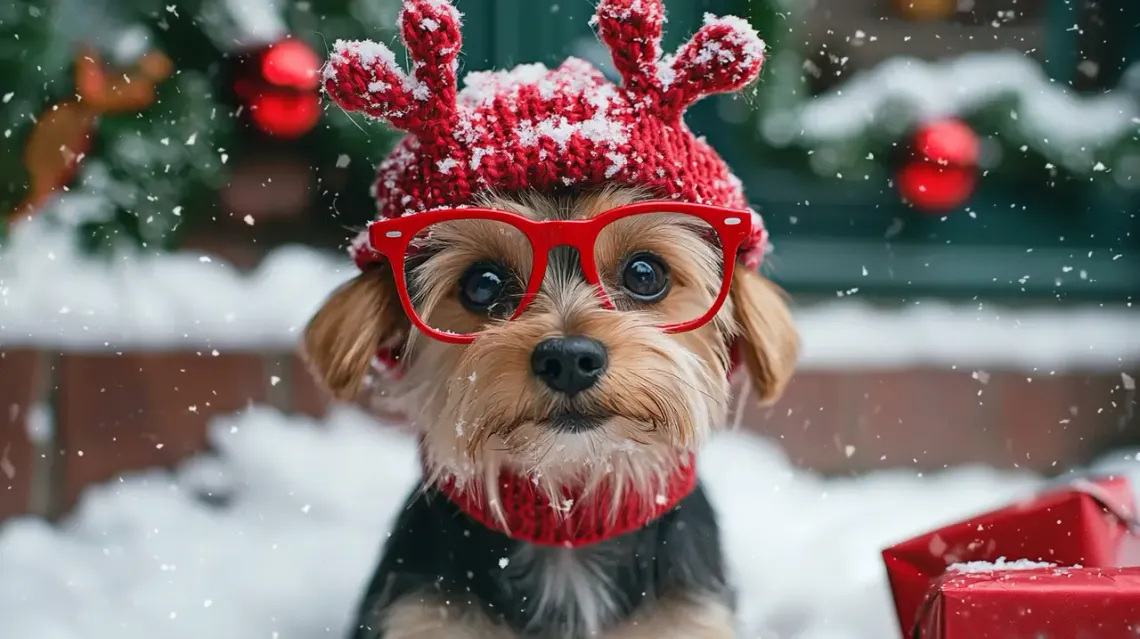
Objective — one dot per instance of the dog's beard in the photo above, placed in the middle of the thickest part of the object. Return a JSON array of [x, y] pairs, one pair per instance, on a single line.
[[657, 396]]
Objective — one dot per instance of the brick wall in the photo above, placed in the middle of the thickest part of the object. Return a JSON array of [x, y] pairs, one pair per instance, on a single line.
[[926, 419], [114, 413]]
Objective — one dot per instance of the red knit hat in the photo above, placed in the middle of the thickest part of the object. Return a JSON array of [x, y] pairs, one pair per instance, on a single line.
[[541, 129]]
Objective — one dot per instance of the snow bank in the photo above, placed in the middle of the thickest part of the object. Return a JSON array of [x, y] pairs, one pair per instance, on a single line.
[[146, 557], [852, 334], [305, 508], [52, 296]]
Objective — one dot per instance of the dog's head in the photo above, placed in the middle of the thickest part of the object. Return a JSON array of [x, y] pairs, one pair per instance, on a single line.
[[593, 377], [569, 386]]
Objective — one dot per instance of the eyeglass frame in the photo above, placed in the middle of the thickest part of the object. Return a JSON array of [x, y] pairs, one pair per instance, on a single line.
[[390, 238]]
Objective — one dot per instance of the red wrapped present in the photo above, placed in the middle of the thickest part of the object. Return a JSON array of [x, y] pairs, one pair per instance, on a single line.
[[1058, 603], [1085, 523]]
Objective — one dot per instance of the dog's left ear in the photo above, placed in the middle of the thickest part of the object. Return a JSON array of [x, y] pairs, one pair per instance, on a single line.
[[361, 316], [766, 334]]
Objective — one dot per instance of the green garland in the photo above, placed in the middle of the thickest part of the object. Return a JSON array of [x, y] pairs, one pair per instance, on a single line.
[[145, 171], [1088, 139], [152, 174]]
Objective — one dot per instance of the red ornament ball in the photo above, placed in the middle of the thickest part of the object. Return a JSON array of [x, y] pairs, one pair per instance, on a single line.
[[291, 64], [944, 173], [934, 188], [284, 114], [280, 86], [948, 142]]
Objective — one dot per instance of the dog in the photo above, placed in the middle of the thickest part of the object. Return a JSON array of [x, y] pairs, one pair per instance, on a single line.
[[561, 334]]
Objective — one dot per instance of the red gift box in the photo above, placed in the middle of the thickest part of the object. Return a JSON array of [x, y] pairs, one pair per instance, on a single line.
[[1058, 603], [1086, 523]]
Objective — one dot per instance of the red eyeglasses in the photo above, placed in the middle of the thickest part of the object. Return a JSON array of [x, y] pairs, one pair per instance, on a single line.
[[458, 271]]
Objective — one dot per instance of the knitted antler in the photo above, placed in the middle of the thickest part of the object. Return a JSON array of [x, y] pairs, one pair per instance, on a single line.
[[363, 76], [725, 55], [632, 31]]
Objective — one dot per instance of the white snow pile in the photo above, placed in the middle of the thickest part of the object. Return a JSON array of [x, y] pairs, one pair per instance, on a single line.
[[304, 508], [1050, 117], [1001, 564], [243, 24], [53, 296], [852, 334]]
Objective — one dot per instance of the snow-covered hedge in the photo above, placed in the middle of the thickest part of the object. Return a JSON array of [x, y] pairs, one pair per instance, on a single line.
[[1024, 115]]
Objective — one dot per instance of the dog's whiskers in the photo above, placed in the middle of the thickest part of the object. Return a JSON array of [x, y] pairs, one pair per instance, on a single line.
[[687, 384]]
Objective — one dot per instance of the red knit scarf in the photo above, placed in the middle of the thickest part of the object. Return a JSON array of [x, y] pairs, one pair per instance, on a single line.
[[579, 520]]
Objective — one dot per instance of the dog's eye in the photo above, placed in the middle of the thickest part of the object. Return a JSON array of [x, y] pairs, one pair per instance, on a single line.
[[482, 286], [645, 277]]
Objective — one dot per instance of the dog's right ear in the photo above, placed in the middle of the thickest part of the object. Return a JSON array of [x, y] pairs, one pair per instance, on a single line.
[[359, 318], [769, 343]]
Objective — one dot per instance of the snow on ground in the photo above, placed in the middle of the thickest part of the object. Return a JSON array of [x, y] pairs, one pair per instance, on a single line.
[[305, 507], [52, 296]]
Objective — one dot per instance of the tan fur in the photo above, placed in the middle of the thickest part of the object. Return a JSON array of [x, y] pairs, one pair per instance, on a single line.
[[342, 338], [432, 618], [664, 391], [677, 619], [767, 332], [478, 406]]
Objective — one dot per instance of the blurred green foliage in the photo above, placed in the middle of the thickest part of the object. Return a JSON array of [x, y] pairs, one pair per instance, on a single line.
[[152, 174]]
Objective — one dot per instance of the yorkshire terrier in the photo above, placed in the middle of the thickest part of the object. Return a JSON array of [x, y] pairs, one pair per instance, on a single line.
[[558, 288]]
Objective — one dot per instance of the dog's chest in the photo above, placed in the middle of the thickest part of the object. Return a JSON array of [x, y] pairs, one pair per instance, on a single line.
[[544, 592], [575, 589]]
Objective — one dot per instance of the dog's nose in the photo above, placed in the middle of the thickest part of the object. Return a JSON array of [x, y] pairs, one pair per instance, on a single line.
[[569, 364]]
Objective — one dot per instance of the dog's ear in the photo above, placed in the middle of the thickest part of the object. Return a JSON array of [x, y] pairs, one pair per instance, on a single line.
[[359, 318], [766, 334]]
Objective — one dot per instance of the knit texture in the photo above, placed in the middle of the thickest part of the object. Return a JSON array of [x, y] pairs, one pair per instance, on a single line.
[[542, 129], [580, 519]]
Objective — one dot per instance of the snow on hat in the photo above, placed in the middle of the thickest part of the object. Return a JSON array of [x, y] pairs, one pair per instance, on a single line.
[[542, 129]]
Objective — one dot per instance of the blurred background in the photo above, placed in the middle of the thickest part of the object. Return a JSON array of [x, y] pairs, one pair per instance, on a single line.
[[952, 189]]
